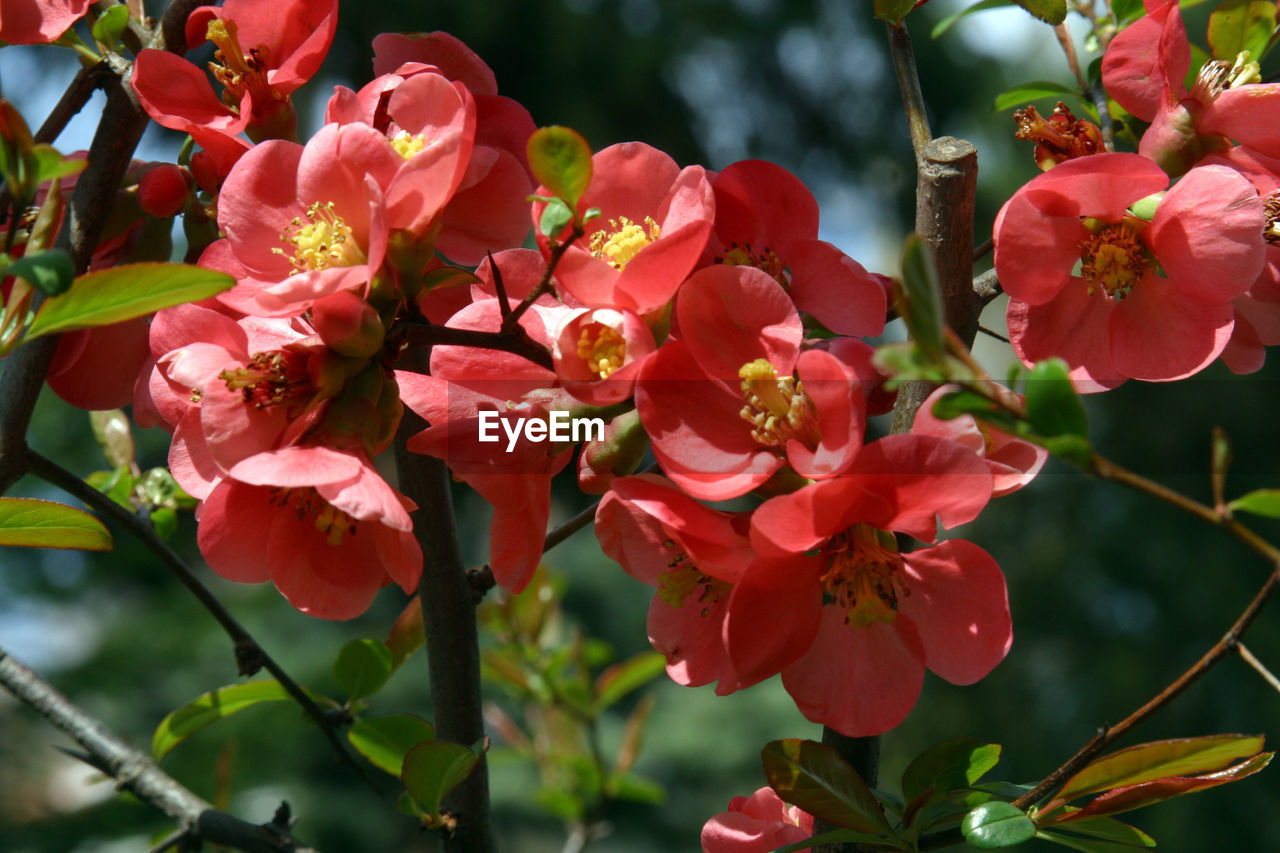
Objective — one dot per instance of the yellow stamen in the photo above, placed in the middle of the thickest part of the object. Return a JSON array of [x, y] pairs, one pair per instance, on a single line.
[[407, 145], [324, 241], [1114, 259], [777, 408], [864, 575], [603, 349], [624, 242]]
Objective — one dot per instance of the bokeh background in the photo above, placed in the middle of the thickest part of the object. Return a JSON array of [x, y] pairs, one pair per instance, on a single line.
[[1112, 594]]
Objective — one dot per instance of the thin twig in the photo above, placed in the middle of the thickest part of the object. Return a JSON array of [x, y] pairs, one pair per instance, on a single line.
[[135, 772], [515, 341], [1258, 665], [570, 527], [992, 334], [544, 286], [250, 656], [904, 66]]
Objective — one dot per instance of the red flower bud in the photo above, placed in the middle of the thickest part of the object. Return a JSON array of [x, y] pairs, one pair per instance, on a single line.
[[347, 324], [163, 191]]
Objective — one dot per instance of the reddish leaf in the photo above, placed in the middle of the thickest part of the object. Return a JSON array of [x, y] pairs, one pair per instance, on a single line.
[[1147, 793], [1158, 760]]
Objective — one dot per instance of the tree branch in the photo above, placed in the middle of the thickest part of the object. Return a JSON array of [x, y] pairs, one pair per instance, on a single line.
[[135, 772], [250, 657]]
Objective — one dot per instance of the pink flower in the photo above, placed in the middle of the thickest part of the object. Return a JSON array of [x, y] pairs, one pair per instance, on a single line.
[[1152, 300], [756, 824], [768, 219], [850, 621], [318, 523], [302, 223], [598, 351], [655, 220], [38, 21]]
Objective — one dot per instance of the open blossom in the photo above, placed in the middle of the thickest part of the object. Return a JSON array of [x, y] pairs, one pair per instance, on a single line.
[[319, 523], [1013, 461], [768, 219], [850, 620], [38, 21], [1152, 300], [736, 400], [760, 823], [654, 222], [598, 351]]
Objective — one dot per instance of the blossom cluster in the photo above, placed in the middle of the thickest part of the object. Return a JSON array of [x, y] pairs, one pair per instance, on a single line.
[[1123, 275]]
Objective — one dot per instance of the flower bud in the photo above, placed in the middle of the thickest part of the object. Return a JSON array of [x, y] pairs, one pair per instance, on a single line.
[[163, 191], [347, 324]]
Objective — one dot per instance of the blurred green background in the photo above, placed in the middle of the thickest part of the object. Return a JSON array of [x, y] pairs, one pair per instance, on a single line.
[[1112, 594]]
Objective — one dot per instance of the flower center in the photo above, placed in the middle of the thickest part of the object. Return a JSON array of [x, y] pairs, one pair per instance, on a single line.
[[768, 260], [1216, 76], [864, 575], [272, 378], [777, 408], [237, 71], [407, 145], [683, 583], [1114, 259], [624, 242], [307, 503], [1271, 231], [602, 348], [324, 241]]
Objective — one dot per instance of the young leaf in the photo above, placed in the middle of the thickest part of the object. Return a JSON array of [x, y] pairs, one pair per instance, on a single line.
[[362, 667], [621, 678], [555, 216], [124, 292], [1108, 829], [1149, 761], [407, 634], [893, 11], [208, 709], [1053, 407], [31, 523], [561, 160], [1260, 502], [1148, 793], [50, 272], [951, 764], [1088, 845], [959, 403], [386, 740], [110, 26], [814, 777], [997, 824], [433, 769], [920, 303], [1239, 25]]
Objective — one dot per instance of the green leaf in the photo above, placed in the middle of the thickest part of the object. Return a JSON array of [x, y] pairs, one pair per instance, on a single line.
[[835, 836], [555, 216], [1150, 761], [1239, 25], [50, 272], [1103, 830], [124, 292], [947, 22], [46, 163], [621, 678], [1087, 845], [814, 777], [959, 403], [1053, 407], [1050, 11], [386, 740], [1071, 448], [433, 769], [1034, 91], [31, 523], [1260, 502], [951, 764], [209, 709], [110, 26], [920, 303], [165, 522], [561, 160], [893, 11], [997, 824], [362, 667]]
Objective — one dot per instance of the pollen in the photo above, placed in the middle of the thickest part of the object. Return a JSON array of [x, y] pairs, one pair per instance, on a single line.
[[1114, 259], [323, 241], [767, 260], [236, 70], [864, 575], [776, 407], [272, 378], [624, 242], [407, 144], [602, 349], [308, 504], [1271, 231]]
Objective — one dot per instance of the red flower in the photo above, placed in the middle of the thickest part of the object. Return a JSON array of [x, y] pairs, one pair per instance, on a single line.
[[1013, 462], [1152, 300], [38, 21], [768, 219], [318, 523]]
